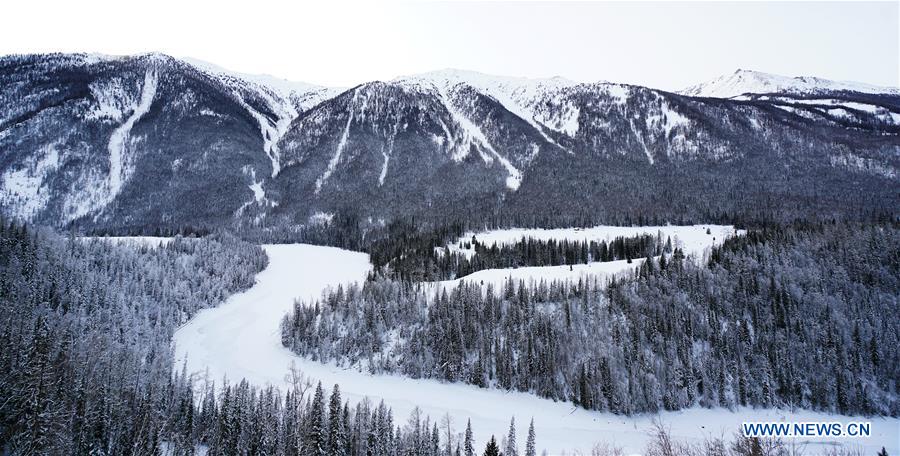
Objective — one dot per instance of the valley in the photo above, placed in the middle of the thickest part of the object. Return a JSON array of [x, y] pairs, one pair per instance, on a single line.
[[186, 252], [122, 142], [241, 339]]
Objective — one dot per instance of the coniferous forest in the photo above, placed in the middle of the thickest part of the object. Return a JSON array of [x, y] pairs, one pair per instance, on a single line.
[[86, 365], [201, 257], [789, 316], [442, 263]]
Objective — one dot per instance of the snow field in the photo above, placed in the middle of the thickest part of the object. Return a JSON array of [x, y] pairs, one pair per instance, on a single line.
[[692, 239], [241, 339]]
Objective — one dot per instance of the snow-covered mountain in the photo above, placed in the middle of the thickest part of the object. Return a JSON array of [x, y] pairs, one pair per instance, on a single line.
[[519, 96], [136, 141], [743, 82]]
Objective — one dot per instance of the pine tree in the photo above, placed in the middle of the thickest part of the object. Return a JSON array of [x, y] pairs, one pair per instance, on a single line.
[[36, 416], [491, 449], [336, 433], [511, 447], [435, 441], [316, 443], [529, 444], [468, 446]]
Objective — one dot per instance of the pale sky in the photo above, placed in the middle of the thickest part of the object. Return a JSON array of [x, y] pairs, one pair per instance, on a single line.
[[667, 45]]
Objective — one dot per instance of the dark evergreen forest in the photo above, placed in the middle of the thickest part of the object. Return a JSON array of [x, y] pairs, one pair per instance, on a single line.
[[86, 365], [794, 316], [425, 262]]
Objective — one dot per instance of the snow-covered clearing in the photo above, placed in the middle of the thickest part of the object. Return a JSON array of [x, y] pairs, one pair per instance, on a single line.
[[692, 239], [241, 339], [498, 277]]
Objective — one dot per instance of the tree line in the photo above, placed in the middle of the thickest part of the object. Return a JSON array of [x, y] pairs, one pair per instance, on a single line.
[[86, 362], [529, 251], [444, 254], [799, 315]]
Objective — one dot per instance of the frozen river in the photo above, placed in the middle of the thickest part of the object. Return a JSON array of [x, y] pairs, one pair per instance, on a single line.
[[241, 339]]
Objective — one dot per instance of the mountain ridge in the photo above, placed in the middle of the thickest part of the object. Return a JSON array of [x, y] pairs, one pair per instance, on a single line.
[[212, 148], [800, 83], [743, 82]]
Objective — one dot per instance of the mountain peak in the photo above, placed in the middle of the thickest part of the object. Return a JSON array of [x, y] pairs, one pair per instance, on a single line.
[[744, 81], [453, 76], [284, 86]]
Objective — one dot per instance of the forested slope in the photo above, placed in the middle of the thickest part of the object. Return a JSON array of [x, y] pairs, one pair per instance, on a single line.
[[86, 360], [799, 316]]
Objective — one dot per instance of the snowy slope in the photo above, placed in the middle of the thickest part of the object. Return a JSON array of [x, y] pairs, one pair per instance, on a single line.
[[826, 108], [446, 85], [241, 339], [119, 170], [748, 81], [519, 96], [285, 99], [23, 190], [80, 146], [305, 95]]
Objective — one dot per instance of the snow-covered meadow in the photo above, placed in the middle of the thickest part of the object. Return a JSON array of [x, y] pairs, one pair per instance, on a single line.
[[241, 339], [693, 239]]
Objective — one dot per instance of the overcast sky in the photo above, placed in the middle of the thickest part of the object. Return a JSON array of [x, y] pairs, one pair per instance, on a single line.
[[664, 45]]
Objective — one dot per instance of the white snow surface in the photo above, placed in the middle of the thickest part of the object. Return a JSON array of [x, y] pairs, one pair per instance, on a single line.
[[692, 239], [241, 339], [472, 134], [519, 96], [387, 158], [286, 99], [118, 168], [746, 81], [619, 92], [840, 108], [259, 193], [497, 278], [117, 102], [304, 95], [271, 132], [342, 142]]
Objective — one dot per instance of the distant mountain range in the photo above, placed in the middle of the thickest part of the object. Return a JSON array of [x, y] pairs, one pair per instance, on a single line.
[[136, 142], [744, 82]]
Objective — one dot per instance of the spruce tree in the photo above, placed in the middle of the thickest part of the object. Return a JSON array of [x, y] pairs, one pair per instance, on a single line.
[[511, 447], [529, 444], [316, 443], [491, 449], [336, 435], [468, 446]]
